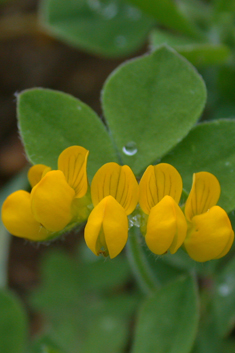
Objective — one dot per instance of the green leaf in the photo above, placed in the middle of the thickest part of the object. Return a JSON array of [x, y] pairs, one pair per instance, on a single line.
[[224, 298], [208, 147], [205, 54], [13, 325], [91, 311], [99, 276], [151, 103], [106, 27], [198, 53], [51, 121], [208, 340], [167, 13], [107, 333], [168, 320]]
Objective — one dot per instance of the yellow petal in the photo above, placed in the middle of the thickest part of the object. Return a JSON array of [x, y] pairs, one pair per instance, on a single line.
[[51, 201], [107, 228], [18, 218], [36, 173], [204, 194], [73, 163], [158, 181], [181, 229], [166, 227], [210, 236], [117, 181]]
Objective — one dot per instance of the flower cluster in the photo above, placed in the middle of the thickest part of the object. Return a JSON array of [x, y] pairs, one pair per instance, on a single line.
[[62, 198], [56, 199]]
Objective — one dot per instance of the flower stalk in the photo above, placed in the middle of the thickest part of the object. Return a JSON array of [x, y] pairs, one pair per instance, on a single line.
[[138, 262]]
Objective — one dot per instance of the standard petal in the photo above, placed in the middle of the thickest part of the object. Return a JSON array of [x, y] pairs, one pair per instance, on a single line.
[[158, 181], [117, 181], [51, 201], [161, 226], [18, 218], [36, 172], [210, 236], [107, 228], [204, 194], [73, 163]]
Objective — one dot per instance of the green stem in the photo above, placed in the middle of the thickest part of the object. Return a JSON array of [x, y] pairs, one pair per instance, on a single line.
[[4, 252], [139, 263]]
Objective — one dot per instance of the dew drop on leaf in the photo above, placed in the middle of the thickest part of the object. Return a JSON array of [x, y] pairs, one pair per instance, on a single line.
[[224, 290], [120, 41], [110, 11], [132, 13], [130, 149]]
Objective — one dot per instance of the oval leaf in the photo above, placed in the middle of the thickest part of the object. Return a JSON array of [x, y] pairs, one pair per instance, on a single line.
[[168, 320], [208, 147], [150, 104], [51, 121], [167, 13], [109, 28], [198, 53]]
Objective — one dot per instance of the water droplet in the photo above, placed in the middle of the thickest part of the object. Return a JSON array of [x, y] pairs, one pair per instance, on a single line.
[[110, 11], [130, 149], [94, 4], [132, 13], [120, 41], [79, 108], [157, 161], [227, 163], [135, 221], [224, 290]]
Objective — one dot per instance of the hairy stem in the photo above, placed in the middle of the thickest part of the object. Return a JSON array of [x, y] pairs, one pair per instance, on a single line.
[[138, 261]]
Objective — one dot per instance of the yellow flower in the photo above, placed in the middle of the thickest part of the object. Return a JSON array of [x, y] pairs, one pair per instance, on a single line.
[[55, 199], [210, 235], [18, 218], [160, 192], [114, 192]]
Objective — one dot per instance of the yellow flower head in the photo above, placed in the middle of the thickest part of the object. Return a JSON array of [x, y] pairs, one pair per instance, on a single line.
[[160, 192], [210, 235], [50, 206], [114, 192]]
